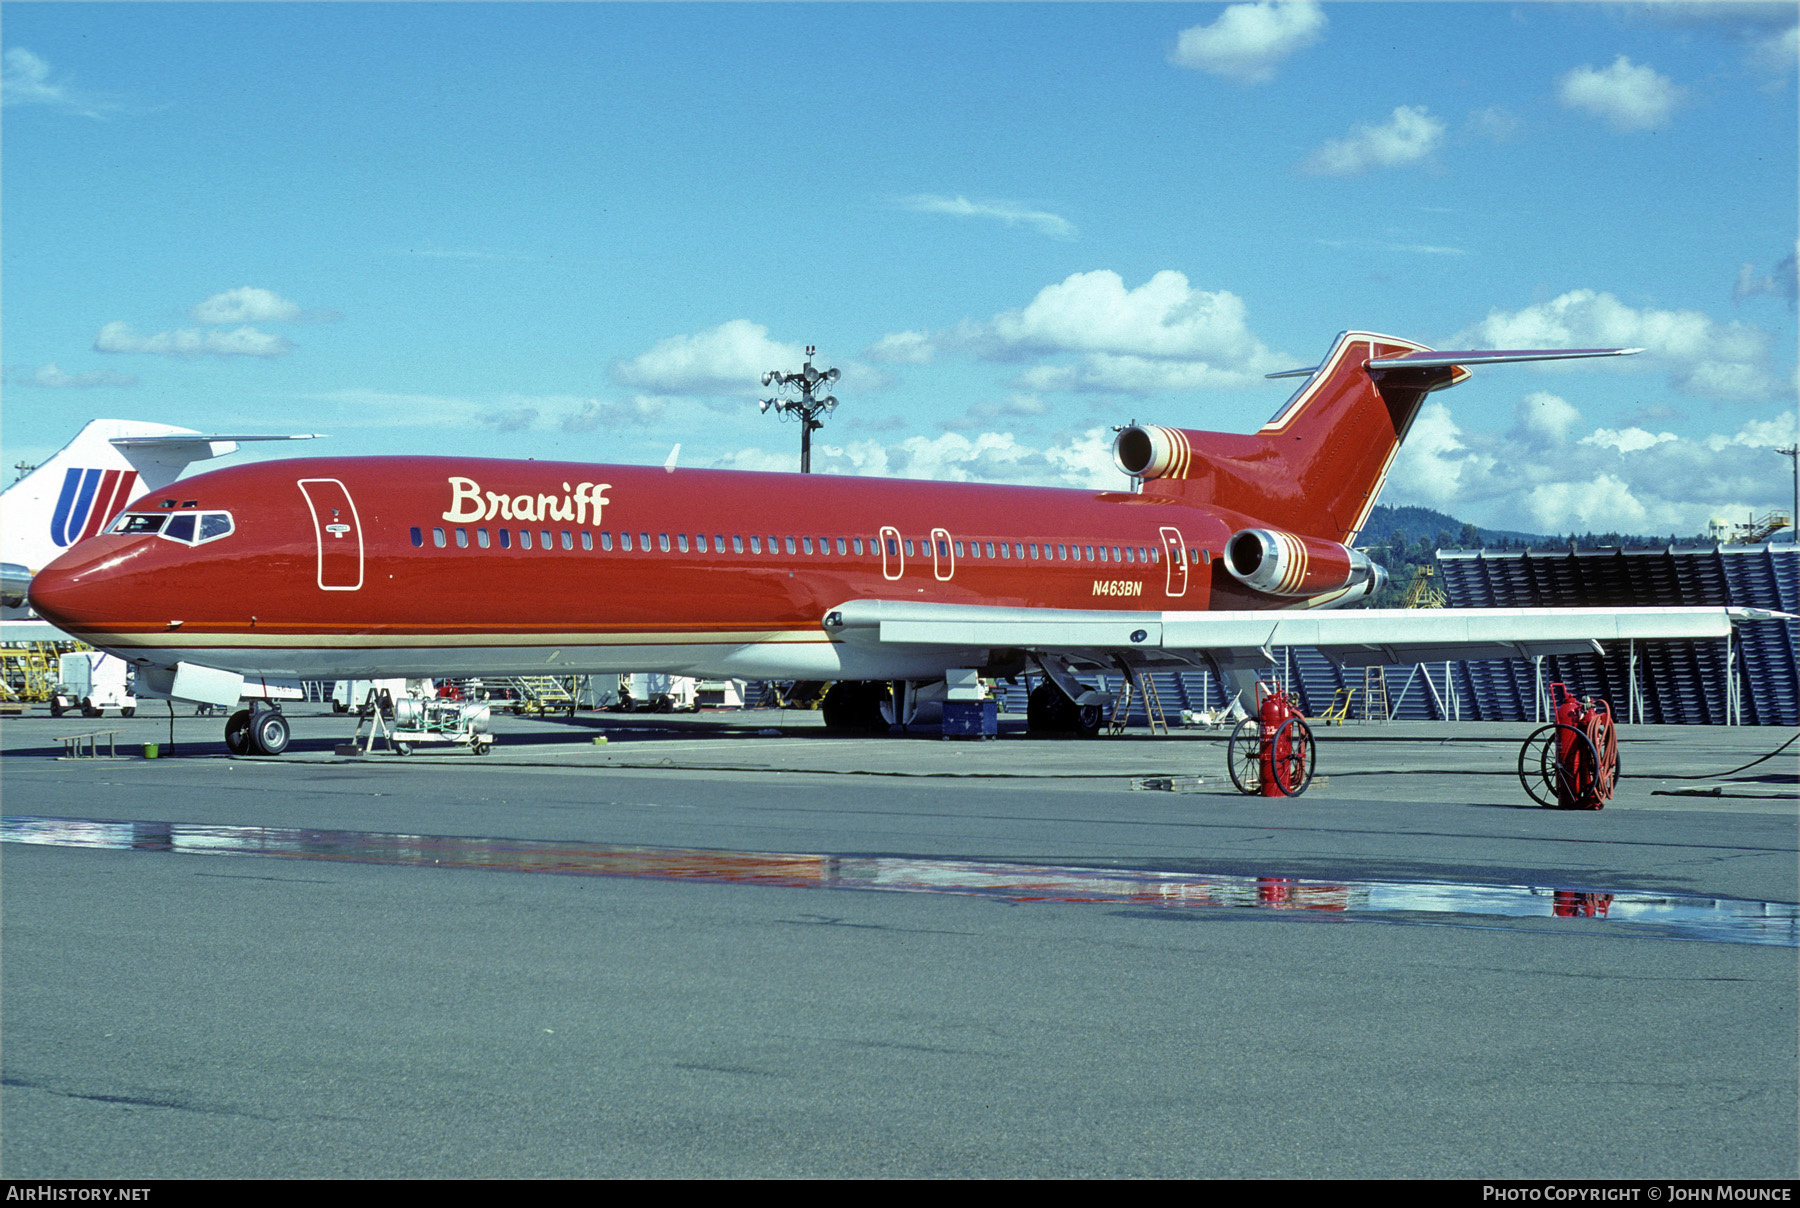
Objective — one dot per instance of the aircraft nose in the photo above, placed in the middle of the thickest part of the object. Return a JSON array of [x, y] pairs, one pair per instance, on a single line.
[[66, 597]]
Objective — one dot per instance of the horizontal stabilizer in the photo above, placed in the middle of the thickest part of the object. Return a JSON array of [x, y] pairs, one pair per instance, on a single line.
[[1438, 360], [197, 438]]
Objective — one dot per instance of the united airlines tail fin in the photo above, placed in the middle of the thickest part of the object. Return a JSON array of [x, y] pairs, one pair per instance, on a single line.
[[1316, 468]]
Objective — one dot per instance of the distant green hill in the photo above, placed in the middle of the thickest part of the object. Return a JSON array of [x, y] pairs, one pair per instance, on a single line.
[[1405, 539], [1445, 531], [1417, 522]]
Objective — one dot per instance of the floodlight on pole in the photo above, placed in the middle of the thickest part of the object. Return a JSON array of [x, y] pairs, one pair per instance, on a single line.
[[807, 407]]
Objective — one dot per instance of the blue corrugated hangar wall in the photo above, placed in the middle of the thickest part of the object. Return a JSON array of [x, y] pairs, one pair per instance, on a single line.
[[1681, 683]]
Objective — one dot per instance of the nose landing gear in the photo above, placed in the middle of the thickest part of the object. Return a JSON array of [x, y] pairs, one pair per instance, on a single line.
[[258, 730]]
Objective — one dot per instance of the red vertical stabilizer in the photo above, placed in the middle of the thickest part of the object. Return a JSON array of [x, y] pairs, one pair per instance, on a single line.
[[1316, 468]]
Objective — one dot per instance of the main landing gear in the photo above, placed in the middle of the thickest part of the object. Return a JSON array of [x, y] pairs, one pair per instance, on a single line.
[[854, 707], [1048, 710], [259, 730]]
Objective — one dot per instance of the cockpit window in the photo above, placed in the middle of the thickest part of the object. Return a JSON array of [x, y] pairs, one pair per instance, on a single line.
[[189, 528], [137, 523]]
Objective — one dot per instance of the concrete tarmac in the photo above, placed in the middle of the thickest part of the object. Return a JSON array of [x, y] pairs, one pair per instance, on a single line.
[[174, 1014]]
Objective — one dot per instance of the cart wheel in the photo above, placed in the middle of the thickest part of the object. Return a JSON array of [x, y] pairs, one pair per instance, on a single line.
[[1243, 756], [128, 711], [482, 748], [1294, 771], [403, 748], [1537, 758], [1542, 773]]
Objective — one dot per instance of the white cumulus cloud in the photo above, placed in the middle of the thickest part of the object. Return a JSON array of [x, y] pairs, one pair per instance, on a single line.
[[902, 348], [592, 414], [53, 377], [1248, 41], [1627, 96], [728, 359], [1703, 357], [1077, 460], [1164, 317], [1007, 212], [1409, 135], [1543, 418], [190, 342], [1627, 480], [1627, 440], [1163, 335], [246, 304]]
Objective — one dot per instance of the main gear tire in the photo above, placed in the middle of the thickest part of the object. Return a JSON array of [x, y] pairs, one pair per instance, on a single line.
[[269, 733], [237, 733]]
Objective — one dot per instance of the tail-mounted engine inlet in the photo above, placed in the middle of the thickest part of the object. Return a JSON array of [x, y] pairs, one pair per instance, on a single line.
[[1147, 451], [1283, 564]]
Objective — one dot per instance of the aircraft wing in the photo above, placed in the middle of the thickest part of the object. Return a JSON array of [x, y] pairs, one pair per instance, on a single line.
[[1365, 637]]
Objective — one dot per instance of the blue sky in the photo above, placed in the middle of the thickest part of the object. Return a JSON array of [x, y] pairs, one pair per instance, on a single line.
[[584, 230]]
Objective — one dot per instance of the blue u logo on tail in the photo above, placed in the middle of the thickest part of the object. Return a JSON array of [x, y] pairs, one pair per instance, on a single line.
[[73, 505]]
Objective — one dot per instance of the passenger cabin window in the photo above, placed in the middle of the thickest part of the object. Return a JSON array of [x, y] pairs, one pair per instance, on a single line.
[[418, 535], [481, 538], [524, 539], [462, 538], [437, 537], [606, 541], [505, 538], [587, 539]]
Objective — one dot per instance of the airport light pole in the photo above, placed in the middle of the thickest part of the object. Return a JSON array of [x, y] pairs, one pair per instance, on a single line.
[[1792, 453], [807, 407]]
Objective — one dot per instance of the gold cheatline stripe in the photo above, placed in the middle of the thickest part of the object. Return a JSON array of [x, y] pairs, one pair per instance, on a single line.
[[201, 641]]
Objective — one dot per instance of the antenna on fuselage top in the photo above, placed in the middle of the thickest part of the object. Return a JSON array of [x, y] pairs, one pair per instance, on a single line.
[[669, 465]]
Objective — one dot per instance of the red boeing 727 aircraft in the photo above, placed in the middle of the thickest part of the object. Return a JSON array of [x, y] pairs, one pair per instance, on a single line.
[[413, 566]]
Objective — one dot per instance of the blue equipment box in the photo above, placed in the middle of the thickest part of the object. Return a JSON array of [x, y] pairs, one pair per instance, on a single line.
[[971, 719]]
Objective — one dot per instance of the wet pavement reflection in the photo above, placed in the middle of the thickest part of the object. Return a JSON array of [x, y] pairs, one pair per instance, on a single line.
[[1719, 919]]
